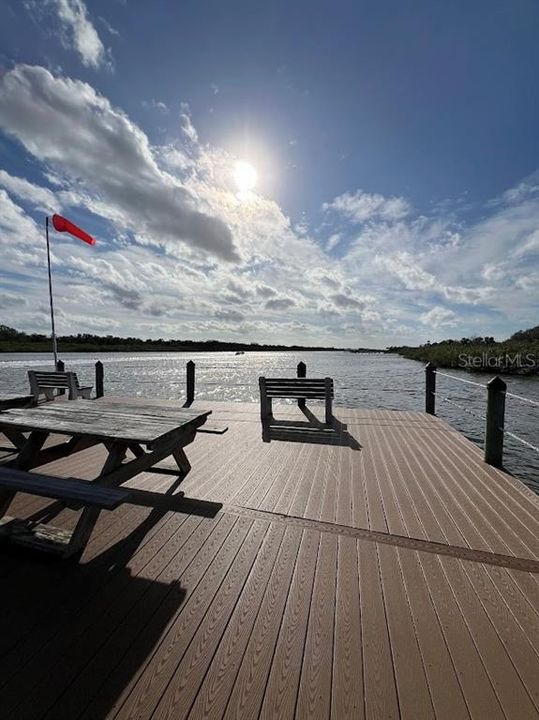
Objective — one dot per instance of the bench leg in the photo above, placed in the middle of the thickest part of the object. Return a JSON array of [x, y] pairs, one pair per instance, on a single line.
[[137, 450], [16, 437], [329, 409], [30, 451], [82, 532], [89, 516], [6, 496], [114, 459], [182, 461]]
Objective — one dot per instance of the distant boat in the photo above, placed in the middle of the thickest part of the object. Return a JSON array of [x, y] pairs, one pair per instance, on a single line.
[[240, 352]]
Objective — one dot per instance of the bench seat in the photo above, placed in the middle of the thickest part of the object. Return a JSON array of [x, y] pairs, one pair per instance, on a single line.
[[67, 489]]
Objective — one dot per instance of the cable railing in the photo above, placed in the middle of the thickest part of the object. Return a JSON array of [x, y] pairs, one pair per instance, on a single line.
[[460, 407], [522, 399], [495, 414]]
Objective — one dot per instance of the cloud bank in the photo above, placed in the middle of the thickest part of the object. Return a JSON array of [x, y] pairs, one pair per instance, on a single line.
[[181, 255]]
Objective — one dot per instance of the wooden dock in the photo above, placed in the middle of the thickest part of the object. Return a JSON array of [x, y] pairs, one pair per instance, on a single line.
[[379, 570]]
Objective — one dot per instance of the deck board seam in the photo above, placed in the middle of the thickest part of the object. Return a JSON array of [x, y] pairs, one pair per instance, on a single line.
[[462, 553]]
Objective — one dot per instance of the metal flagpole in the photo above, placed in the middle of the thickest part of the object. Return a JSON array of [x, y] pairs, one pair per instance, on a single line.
[[54, 347]]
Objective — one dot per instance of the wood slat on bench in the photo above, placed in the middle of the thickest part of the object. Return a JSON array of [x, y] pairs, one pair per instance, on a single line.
[[297, 381], [69, 489], [312, 394]]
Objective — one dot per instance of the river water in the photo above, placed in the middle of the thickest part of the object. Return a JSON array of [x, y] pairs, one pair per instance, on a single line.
[[361, 380]]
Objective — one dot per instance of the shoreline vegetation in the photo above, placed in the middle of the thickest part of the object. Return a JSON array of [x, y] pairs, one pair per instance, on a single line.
[[518, 355], [12, 340]]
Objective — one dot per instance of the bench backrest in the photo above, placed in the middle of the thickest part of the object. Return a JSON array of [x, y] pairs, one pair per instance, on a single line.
[[42, 380], [313, 388]]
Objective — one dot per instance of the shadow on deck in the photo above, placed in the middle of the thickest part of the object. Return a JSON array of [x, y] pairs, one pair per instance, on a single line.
[[311, 430], [69, 618]]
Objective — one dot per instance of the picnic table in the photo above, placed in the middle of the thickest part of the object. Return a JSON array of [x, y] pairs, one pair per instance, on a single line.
[[149, 431]]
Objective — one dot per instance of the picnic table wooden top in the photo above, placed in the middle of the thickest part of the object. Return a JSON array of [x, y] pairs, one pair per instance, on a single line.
[[144, 423]]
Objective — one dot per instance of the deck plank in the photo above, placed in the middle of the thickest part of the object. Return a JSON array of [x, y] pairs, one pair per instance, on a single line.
[[314, 696], [283, 682], [378, 669], [347, 700]]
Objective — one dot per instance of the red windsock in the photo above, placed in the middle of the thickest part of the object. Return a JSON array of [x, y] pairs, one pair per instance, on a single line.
[[63, 225]]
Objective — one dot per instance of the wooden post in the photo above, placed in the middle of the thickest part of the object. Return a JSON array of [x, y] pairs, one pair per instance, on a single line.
[[301, 373], [99, 388], [328, 383], [190, 379], [60, 367], [430, 388], [495, 422], [266, 411]]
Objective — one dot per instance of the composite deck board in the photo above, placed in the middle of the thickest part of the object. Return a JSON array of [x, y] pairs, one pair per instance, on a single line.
[[348, 703], [281, 690], [273, 607], [314, 696]]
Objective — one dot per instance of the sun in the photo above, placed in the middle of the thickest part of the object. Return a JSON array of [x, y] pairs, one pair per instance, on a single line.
[[245, 177]]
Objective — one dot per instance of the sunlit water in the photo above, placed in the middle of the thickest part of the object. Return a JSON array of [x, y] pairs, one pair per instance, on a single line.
[[368, 381]]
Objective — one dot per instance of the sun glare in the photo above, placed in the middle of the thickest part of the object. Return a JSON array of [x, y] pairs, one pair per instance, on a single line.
[[245, 177]]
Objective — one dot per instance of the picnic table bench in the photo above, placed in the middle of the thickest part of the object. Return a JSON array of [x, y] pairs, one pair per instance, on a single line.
[[9, 400], [150, 432]]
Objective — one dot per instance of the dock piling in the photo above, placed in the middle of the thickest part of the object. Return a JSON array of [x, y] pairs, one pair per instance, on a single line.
[[190, 382], [99, 385], [495, 422], [430, 389], [301, 373]]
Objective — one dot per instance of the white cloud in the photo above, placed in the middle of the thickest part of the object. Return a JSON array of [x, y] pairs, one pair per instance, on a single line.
[[187, 126], [156, 105], [68, 125], [333, 241], [108, 27], [362, 206], [40, 197], [80, 32], [439, 317], [408, 270]]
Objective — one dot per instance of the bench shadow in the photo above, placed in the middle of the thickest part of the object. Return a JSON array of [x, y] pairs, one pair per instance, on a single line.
[[311, 430]]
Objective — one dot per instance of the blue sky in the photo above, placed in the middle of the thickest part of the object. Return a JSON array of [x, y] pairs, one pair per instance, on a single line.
[[396, 147]]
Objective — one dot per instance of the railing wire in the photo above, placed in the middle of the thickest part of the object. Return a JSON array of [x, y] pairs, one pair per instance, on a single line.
[[460, 407], [516, 437], [454, 377], [523, 399]]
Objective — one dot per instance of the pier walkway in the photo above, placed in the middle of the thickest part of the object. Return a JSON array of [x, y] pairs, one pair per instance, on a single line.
[[378, 570]]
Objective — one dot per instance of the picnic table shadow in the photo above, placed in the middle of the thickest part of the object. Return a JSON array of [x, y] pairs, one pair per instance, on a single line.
[[310, 430], [74, 634]]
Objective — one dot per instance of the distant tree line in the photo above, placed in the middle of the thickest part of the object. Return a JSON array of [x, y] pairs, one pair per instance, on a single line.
[[12, 340]]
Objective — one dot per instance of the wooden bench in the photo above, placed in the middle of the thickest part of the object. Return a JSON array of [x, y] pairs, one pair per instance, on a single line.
[[43, 382], [71, 491], [297, 389]]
